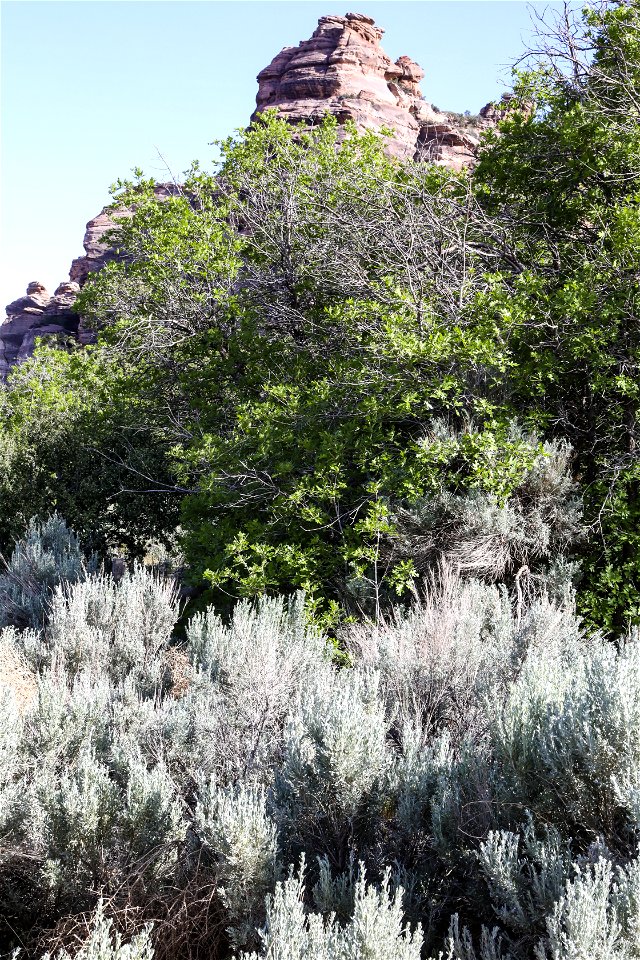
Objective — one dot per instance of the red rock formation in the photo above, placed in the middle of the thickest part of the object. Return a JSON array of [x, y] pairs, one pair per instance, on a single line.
[[42, 315], [343, 70], [96, 253], [38, 314]]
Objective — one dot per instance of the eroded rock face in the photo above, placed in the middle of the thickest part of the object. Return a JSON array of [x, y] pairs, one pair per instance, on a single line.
[[96, 253], [38, 314], [41, 314], [343, 70]]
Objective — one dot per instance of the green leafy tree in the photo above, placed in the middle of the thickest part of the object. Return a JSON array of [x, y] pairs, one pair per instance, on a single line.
[[307, 312], [562, 176], [77, 438], [283, 335]]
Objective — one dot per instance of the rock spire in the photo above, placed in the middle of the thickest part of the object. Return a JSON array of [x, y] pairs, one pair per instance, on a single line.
[[343, 70]]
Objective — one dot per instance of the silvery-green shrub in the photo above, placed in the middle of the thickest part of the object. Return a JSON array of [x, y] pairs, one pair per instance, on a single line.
[[525, 876], [14, 767], [438, 660], [67, 715], [121, 627], [241, 840], [49, 554], [335, 893], [479, 534], [151, 822], [584, 922], [477, 746], [460, 944], [96, 823], [258, 635], [593, 913], [258, 664], [375, 931], [334, 756], [416, 781], [76, 818], [568, 735], [625, 899]]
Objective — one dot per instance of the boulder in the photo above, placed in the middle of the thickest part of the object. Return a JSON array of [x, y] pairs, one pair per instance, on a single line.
[[38, 314]]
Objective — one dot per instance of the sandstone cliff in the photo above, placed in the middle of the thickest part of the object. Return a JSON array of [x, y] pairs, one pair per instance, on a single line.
[[343, 70]]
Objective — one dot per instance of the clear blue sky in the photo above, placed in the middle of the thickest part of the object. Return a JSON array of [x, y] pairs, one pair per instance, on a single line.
[[91, 89]]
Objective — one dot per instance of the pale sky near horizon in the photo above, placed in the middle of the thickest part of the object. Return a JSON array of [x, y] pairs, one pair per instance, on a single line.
[[93, 88]]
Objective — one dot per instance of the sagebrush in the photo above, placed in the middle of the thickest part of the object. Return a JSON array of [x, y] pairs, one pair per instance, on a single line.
[[463, 779]]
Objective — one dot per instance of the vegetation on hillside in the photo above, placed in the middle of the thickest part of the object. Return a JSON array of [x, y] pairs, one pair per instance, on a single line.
[[380, 421]]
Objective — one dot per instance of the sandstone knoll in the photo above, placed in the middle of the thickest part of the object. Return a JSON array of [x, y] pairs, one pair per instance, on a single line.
[[342, 70], [42, 314], [53, 316]]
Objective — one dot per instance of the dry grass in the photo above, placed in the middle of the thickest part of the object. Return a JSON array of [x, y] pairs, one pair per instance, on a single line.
[[184, 922], [434, 656], [179, 668], [16, 677]]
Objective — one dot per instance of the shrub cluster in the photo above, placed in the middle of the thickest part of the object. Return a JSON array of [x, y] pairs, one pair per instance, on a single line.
[[464, 784], [483, 533], [48, 554]]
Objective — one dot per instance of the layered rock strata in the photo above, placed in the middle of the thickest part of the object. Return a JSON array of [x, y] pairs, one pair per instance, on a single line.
[[40, 314], [96, 253], [37, 314], [343, 70]]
